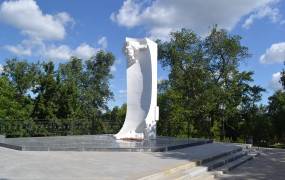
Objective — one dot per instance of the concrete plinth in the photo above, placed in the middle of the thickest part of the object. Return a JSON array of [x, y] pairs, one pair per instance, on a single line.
[[98, 143]]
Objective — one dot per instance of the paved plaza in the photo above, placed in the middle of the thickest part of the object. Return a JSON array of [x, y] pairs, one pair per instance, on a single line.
[[98, 165], [29, 165]]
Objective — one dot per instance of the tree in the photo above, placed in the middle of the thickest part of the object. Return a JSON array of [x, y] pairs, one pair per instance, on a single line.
[[70, 77], [14, 118], [205, 89], [114, 119], [18, 79], [187, 77], [97, 76], [224, 53], [21, 74], [282, 78], [276, 111], [70, 89], [96, 87], [46, 106], [262, 131], [253, 116], [70, 99]]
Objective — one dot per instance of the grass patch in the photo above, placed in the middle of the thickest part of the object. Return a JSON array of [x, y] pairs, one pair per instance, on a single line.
[[278, 145]]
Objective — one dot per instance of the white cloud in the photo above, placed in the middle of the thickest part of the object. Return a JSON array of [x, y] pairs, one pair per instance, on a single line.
[[25, 48], [1, 68], [64, 52], [113, 68], [19, 50], [128, 15], [274, 54], [40, 30], [85, 51], [30, 20], [103, 42], [272, 13], [162, 16], [51, 51], [275, 82], [64, 18], [123, 91]]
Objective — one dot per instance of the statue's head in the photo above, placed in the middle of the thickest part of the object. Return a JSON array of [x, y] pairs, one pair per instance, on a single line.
[[131, 49]]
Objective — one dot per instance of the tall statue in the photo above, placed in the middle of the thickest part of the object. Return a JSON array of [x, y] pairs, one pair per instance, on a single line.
[[142, 110]]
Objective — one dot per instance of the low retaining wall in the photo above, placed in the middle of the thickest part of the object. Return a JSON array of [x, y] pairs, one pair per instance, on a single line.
[[2, 137]]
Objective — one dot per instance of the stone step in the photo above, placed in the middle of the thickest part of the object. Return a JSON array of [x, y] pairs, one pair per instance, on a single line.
[[170, 173], [10, 146], [193, 173], [218, 156], [179, 175], [224, 160], [229, 166], [204, 168], [191, 170]]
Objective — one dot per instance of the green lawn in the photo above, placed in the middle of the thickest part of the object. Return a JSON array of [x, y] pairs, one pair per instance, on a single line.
[[278, 145]]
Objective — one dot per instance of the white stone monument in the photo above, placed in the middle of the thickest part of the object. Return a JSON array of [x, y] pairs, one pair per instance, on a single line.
[[142, 110]]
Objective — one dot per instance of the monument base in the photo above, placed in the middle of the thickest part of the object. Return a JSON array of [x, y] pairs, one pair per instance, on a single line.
[[98, 143]]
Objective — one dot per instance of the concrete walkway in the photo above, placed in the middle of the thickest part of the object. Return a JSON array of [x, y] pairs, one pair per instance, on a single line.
[[98, 165], [269, 165]]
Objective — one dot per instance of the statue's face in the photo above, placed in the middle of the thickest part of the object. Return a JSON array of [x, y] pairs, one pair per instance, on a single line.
[[129, 50]]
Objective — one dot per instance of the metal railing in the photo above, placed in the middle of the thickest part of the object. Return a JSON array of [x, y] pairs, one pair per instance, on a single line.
[[58, 127], [64, 127]]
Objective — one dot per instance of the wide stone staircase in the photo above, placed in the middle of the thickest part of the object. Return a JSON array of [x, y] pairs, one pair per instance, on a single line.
[[209, 163]]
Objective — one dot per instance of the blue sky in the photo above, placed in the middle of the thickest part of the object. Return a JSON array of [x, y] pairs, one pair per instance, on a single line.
[[55, 30]]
